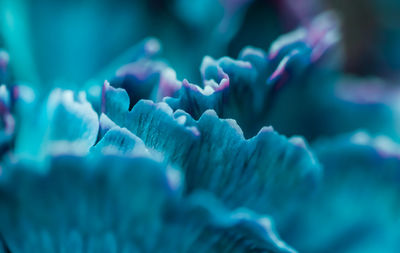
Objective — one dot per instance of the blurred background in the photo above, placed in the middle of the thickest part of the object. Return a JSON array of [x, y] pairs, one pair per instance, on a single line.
[[67, 43]]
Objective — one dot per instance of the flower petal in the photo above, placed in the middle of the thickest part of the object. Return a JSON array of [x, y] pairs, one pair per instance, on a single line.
[[255, 89], [215, 156], [113, 204], [356, 209]]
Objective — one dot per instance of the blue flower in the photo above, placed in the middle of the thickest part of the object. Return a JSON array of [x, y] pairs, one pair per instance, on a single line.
[[148, 162]]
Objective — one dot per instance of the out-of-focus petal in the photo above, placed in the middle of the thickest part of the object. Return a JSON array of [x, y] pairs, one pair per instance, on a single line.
[[71, 120], [65, 122], [356, 209], [113, 204]]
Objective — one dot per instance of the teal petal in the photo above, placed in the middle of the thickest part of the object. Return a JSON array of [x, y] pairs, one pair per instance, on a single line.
[[357, 208], [65, 122], [4, 60], [7, 120], [142, 72], [124, 196], [264, 173], [82, 122], [120, 141], [255, 89], [105, 125], [120, 204]]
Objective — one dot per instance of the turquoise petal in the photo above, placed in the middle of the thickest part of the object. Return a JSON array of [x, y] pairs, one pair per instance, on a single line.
[[116, 204], [7, 120], [120, 141], [64, 123], [82, 122], [256, 88], [357, 207], [91, 196], [105, 125], [141, 72], [216, 157]]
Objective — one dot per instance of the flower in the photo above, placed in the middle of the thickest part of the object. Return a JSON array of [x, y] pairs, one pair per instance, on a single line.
[[147, 162]]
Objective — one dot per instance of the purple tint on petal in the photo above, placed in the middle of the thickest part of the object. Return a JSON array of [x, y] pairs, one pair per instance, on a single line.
[[286, 40], [208, 64], [252, 51], [385, 146], [9, 123], [280, 70], [4, 100], [323, 34], [320, 35], [169, 85], [224, 84], [3, 108], [186, 84], [138, 69], [15, 93], [369, 91]]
